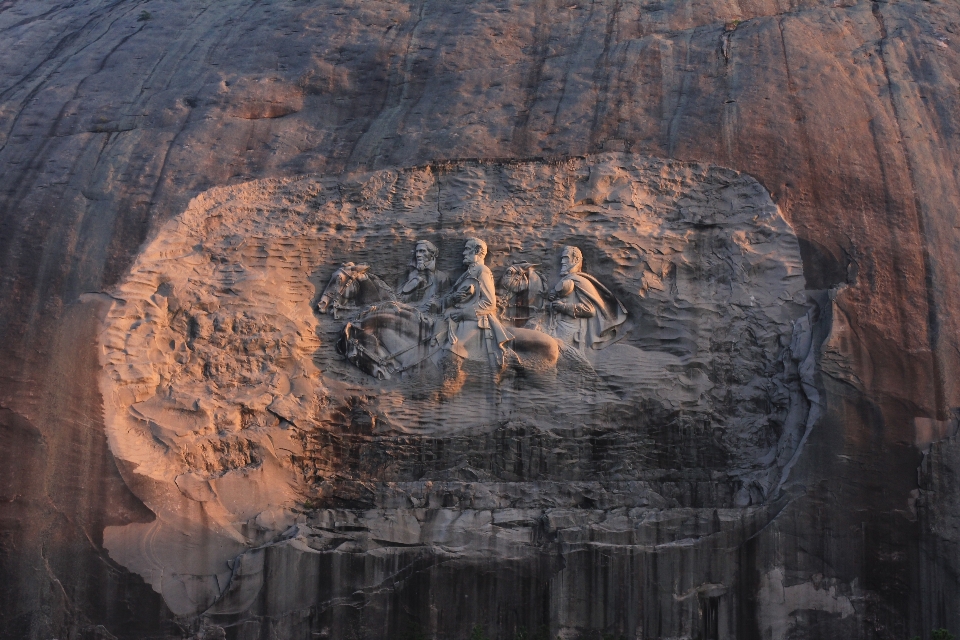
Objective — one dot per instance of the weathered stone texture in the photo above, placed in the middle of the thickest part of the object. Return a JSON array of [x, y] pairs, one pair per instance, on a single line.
[[237, 423], [846, 112]]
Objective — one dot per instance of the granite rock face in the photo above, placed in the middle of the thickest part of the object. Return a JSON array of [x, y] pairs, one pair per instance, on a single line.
[[115, 115], [239, 424]]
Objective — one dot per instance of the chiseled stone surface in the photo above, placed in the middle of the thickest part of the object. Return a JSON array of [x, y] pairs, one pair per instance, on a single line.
[[223, 388], [114, 115]]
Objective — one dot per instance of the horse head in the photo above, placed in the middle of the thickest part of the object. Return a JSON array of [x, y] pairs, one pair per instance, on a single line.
[[522, 277], [362, 349], [342, 290], [523, 292]]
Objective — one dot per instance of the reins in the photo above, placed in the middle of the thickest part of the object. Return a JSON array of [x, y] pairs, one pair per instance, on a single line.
[[388, 362]]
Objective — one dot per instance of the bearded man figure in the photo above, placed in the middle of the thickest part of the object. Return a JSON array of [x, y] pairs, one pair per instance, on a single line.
[[474, 331], [424, 283], [584, 312]]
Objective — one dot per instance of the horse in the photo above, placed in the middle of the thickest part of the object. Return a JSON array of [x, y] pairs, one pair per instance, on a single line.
[[522, 300], [352, 285], [388, 339], [392, 338]]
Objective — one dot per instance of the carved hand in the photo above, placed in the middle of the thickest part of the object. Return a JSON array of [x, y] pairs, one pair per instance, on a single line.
[[563, 289], [414, 283], [461, 294], [574, 310]]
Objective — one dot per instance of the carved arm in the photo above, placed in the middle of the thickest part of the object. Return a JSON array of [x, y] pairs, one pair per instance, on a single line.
[[579, 310]]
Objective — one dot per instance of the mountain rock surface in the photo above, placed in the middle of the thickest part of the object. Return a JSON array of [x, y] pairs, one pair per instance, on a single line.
[[115, 115]]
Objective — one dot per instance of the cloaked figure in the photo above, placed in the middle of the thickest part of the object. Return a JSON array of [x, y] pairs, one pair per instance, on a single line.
[[424, 283], [584, 313]]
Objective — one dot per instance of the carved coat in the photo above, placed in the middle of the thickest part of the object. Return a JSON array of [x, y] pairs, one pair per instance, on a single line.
[[479, 330], [591, 316], [421, 286]]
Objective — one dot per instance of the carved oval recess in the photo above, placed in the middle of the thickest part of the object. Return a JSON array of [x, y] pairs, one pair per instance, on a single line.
[[237, 421]]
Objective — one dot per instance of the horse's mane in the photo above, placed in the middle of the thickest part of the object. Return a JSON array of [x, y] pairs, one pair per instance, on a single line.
[[536, 282], [390, 308], [533, 289], [384, 290]]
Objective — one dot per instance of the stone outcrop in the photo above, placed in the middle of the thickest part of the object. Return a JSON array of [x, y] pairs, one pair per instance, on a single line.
[[114, 116], [237, 422]]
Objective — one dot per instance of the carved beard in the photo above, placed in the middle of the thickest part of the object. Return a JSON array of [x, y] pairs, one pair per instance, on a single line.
[[426, 264]]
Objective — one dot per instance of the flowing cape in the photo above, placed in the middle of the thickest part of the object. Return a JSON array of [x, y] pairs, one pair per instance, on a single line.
[[607, 326]]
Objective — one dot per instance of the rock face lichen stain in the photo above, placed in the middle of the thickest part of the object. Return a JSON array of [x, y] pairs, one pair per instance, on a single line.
[[334, 392]]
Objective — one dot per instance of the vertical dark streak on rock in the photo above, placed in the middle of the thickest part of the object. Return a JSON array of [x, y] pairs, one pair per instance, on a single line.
[[891, 205], [64, 42], [572, 57], [412, 99], [393, 98], [520, 142], [52, 575], [602, 74], [800, 118], [933, 320], [41, 16], [728, 118], [673, 128], [438, 178]]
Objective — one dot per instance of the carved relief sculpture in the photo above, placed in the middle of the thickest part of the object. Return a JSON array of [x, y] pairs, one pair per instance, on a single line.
[[471, 310], [521, 297], [384, 339], [583, 312], [273, 430], [467, 322], [424, 283]]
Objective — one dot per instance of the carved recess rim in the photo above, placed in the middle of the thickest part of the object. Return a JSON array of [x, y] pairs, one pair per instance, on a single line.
[[216, 362]]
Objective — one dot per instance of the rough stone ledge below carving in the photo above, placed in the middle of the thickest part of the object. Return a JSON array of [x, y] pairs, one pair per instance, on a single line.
[[695, 491], [477, 529]]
